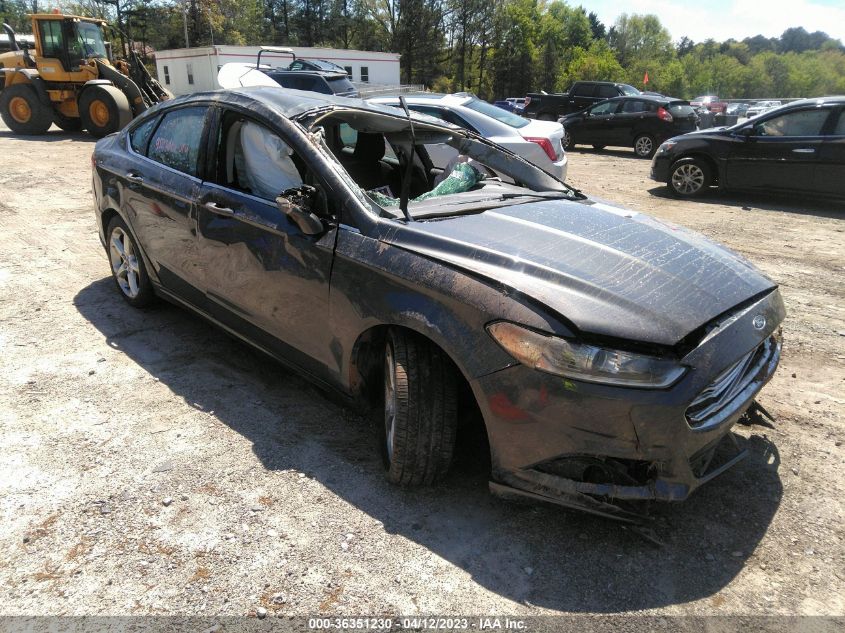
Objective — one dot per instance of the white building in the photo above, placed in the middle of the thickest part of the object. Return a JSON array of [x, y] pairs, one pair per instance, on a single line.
[[186, 70]]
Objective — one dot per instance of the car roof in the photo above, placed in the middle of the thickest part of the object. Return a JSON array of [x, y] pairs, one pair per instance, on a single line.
[[288, 102], [643, 97], [456, 99], [328, 74]]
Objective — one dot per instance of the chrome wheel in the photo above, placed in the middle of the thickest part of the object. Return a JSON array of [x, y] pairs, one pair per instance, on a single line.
[[124, 262], [566, 140], [389, 400], [688, 179], [643, 146]]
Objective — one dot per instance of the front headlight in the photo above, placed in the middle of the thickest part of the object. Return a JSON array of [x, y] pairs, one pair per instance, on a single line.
[[561, 357], [666, 147]]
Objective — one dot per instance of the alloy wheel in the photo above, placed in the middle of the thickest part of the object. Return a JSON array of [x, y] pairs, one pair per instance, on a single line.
[[643, 146], [688, 179], [124, 262]]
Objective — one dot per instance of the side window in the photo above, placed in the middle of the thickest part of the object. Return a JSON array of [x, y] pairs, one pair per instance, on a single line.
[[583, 90], [608, 107], [140, 136], [801, 123], [437, 113], [254, 159], [632, 107], [51, 38], [606, 92], [296, 65], [176, 142]]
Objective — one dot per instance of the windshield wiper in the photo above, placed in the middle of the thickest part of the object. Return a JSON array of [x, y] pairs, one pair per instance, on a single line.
[[551, 195]]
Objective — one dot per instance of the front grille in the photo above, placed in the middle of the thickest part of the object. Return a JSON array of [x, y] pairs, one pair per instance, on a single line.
[[729, 390]]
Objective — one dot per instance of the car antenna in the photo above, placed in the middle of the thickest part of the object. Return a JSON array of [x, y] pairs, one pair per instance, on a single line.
[[406, 181]]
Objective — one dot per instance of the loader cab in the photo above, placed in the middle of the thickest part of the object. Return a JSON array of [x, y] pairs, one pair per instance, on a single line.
[[64, 44]]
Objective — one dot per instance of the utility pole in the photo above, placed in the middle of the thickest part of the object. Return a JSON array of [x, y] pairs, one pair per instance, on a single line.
[[185, 16]]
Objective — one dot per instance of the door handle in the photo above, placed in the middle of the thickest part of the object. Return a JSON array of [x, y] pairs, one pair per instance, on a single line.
[[804, 150], [218, 210], [135, 178]]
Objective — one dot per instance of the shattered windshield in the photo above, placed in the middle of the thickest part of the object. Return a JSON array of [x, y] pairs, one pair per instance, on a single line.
[[442, 170]]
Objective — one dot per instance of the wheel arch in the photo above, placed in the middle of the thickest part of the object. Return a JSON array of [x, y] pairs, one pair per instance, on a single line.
[[704, 157]]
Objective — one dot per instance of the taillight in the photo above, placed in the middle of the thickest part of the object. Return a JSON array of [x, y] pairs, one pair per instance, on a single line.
[[663, 115], [546, 144], [527, 100]]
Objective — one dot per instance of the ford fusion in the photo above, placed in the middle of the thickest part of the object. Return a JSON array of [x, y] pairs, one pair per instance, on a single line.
[[609, 354]]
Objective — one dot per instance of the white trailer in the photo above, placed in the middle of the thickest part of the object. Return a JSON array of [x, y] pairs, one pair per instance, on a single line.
[[186, 70]]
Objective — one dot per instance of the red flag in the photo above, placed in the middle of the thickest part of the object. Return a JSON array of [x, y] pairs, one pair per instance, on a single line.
[[645, 78]]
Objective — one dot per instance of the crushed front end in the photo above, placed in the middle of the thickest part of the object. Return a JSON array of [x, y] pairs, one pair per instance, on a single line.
[[602, 448]]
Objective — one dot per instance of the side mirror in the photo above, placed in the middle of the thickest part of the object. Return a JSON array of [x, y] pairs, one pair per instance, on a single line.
[[297, 205], [746, 132]]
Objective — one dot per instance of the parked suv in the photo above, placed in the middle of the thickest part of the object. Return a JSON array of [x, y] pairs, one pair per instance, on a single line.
[[641, 122], [580, 95], [322, 81]]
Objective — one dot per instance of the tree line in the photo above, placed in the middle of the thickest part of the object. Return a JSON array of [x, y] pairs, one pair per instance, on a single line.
[[494, 48]]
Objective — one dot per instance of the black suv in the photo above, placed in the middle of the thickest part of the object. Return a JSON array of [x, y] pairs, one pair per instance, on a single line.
[[641, 122], [327, 82], [799, 147], [581, 94]]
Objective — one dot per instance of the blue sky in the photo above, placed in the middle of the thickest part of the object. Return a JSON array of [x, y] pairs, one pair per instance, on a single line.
[[723, 19]]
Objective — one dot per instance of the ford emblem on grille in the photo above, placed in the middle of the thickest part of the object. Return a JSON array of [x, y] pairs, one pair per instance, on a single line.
[[759, 322]]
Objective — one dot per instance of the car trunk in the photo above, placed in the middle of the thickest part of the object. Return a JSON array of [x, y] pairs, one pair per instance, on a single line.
[[545, 129], [684, 116]]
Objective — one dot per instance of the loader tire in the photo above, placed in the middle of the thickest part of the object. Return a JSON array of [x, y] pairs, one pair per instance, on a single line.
[[23, 112], [103, 110], [66, 123]]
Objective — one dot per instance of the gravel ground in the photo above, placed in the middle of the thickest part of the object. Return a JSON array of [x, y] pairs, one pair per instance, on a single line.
[[152, 465]]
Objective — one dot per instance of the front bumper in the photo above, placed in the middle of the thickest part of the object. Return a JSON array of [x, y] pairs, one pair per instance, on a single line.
[[660, 164], [589, 446]]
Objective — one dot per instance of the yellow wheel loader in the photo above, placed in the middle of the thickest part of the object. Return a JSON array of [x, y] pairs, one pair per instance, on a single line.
[[70, 79]]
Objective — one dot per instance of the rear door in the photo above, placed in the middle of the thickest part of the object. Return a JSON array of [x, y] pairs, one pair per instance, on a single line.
[[782, 154], [265, 278], [161, 182], [582, 96], [831, 167], [634, 117]]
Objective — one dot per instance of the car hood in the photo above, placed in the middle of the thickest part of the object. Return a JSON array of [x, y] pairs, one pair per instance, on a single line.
[[608, 271]]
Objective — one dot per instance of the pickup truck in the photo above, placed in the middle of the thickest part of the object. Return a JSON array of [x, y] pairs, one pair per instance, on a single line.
[[582, 94]]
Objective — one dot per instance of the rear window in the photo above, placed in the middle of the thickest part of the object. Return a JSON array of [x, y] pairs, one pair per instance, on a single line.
[[495, 112], [628, 90], [681, 109], [340, 84]]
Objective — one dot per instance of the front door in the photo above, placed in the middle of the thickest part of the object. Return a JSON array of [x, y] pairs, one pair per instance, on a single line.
[[782, 153], [599, 122], [829, 175], [264, 277]]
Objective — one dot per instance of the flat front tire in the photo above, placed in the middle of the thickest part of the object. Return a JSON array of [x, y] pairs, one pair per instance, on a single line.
[[127, 265], [420, 410], [689, 177]]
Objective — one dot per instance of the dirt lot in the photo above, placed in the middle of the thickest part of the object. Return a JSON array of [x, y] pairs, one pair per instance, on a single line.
[[151, 465]]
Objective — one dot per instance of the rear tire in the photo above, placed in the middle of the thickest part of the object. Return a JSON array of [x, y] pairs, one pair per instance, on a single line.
[[23, 112], [66, 123], [567, 141], [689, 177], [420, 412], [644, 146], [103, 110], [127, 265]]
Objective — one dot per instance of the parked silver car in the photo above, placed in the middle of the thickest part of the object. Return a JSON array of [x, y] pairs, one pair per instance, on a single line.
[[539, 142], [761, 107]]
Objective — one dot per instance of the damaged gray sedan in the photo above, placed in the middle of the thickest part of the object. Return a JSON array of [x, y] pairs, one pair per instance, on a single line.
[[609, 354]]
